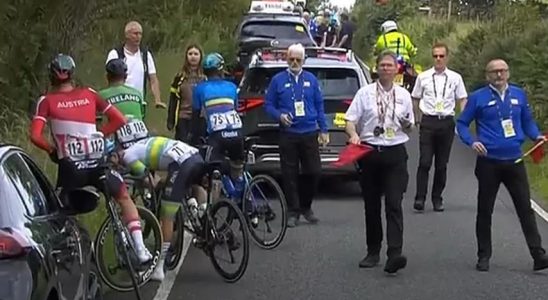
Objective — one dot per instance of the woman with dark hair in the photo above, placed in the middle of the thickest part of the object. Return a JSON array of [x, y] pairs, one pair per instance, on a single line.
[[180, 99]]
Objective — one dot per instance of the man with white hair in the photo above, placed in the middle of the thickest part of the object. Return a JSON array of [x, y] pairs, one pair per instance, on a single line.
[[140, 63], [294, 98]]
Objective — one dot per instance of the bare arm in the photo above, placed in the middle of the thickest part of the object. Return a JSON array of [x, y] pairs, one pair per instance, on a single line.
[[155, 87], [416, 110], [462, 103]]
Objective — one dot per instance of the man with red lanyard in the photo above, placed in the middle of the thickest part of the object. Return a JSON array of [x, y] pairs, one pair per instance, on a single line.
[[78, 145]]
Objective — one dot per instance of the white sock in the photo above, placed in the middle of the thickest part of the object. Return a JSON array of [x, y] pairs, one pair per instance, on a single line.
[[134, 228], [165, 247]]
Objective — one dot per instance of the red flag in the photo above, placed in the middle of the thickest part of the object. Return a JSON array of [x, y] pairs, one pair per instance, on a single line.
[[351, 153], [538, 153]]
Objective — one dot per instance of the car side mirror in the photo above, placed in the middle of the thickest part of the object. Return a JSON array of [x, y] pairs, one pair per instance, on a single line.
[[79, 201], [374, 76]]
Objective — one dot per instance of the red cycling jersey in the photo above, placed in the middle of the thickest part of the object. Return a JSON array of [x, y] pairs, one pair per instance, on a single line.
[[72, 113]]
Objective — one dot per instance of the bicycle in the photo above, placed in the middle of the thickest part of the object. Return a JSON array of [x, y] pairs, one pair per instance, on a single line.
[[125, 254], [249, 202], [207, 235]]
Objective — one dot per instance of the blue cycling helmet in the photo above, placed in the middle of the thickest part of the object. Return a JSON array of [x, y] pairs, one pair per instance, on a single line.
[[213, 61]]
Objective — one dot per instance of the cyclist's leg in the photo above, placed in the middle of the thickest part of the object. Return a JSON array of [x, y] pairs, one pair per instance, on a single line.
[[180, 178], [216, 152], [130, 216], [235, 150]]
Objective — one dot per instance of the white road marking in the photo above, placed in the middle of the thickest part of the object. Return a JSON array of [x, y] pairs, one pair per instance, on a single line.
[[167, 284], [541, 212]]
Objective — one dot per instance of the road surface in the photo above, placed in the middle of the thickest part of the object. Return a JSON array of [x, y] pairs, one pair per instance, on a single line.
[[321, 261]]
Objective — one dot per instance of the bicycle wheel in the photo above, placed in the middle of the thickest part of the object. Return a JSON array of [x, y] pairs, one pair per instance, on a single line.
[[265, 208], [108, 259], [176, 249], [221, 232]]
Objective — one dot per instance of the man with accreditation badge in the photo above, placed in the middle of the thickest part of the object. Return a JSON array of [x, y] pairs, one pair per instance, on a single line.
[[381, 116], [503, 121], [435, 94]]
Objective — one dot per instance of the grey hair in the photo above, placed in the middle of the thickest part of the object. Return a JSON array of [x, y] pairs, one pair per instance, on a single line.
[[386, 53], [297, 48]]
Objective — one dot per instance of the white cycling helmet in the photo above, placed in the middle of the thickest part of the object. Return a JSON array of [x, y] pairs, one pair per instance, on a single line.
[[389, 26]]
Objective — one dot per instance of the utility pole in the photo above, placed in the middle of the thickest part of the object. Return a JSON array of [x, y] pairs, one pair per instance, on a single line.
[[449, 10]]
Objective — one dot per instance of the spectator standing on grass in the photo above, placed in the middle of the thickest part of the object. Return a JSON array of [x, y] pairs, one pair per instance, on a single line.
[[503, 120], [140, 63], [180, 97]]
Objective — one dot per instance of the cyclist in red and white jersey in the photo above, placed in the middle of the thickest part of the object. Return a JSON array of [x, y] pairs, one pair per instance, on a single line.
[[78, 146]]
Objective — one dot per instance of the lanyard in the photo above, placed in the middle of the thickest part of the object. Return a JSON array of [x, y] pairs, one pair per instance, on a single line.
[[444, 86], [382, 105], [291, 76], [499, 112]]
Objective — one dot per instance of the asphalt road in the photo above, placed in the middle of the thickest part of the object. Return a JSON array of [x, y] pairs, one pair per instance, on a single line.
[[321, 261]]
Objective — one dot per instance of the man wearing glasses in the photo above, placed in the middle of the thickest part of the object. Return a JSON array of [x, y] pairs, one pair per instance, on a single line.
[[503, 120], [294, 98], [435, 94], [381, 116]]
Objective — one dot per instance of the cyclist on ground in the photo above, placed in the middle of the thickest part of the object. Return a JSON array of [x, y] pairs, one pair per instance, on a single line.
[[186, 169], [78, 146], [395, 41], [219, 99], [128, 101]]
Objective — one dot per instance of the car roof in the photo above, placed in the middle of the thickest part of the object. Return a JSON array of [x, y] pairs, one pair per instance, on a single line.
[[310, 62], [4, 148], [332, 58], [269, 17]]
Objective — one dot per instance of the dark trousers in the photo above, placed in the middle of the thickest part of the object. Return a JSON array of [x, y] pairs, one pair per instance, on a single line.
[[182, 130], [435, 140], [490, 175], [384, 172], [299, 187]]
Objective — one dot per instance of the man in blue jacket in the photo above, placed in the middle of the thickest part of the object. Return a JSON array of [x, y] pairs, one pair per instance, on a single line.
[[503, 121], [295, 99]]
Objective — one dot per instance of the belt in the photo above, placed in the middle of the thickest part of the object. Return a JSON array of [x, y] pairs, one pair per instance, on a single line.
[[380, 148], [438, 117]]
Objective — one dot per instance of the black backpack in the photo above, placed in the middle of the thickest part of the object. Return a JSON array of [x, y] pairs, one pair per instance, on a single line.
[[144, 56]]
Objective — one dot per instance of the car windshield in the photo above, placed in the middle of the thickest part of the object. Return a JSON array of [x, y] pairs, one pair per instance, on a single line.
[[274, 29], [335, 83]]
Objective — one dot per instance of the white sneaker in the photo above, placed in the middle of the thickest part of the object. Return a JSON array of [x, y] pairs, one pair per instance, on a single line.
[[144, 255], [158, 274]]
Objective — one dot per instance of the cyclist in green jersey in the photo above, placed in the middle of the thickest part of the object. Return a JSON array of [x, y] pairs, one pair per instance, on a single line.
[[126, 99], [186, 169]]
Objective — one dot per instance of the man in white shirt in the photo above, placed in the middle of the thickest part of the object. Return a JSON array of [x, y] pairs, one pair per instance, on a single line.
[[381, 115], [138, 73], [435, 94]]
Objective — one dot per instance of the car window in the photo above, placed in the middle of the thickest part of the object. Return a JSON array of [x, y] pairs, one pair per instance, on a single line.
[[27, 186], [12, 209], [275, 30], [52, 201], [336, 83]]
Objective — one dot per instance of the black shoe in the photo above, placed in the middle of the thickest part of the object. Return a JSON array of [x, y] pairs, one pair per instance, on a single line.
[[419, 205], [395, 263], [438, 206], [310, 217], [292, 221], [370, 261], [540, 263], [482, 265]]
